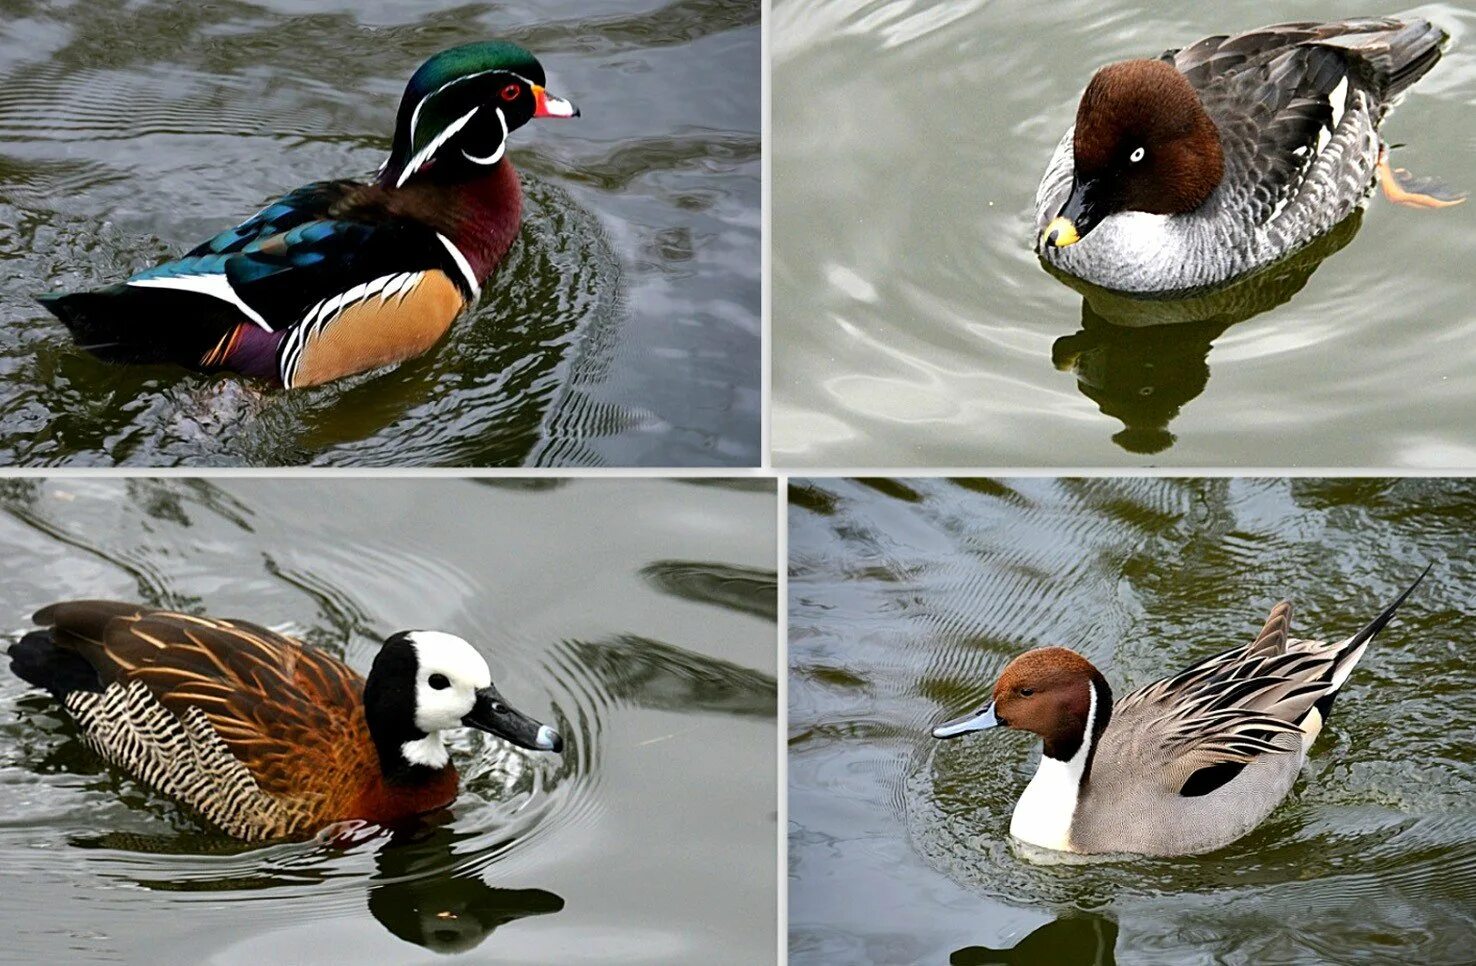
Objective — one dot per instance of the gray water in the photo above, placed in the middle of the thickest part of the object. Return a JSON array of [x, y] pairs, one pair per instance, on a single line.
[[914, 326], [908, 597], [623, 329], [637, 617]]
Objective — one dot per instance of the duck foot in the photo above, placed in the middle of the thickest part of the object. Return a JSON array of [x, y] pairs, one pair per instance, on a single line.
[[1403, 188]]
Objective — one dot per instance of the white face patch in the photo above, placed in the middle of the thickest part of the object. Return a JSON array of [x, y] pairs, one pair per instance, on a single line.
[[449, 672]]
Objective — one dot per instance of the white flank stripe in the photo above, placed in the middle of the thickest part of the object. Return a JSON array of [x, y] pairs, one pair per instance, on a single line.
[[216, 286], [464, 265], [1339, 100], [431, 148]]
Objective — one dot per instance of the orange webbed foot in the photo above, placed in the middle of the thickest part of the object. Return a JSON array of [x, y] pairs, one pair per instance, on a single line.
[[1403, 188]]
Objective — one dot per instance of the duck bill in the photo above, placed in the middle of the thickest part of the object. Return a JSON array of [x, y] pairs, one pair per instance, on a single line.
[[495, 716], [547, 105], [1078, 216], [981, 720]]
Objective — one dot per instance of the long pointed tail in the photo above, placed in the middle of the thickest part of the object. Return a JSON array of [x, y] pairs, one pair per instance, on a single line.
[[1377, 624]]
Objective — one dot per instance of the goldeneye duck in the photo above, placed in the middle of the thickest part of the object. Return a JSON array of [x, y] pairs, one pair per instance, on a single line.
[[1216, 160]]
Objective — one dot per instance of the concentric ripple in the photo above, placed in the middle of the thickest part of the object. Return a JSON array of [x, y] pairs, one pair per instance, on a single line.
[[908, 597]]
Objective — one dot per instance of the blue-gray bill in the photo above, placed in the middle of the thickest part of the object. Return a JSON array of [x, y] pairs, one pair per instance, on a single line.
[[493, 715], [980, 720]]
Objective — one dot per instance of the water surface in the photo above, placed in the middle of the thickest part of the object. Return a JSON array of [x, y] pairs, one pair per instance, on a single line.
[[907, 599], [914, 326], [649, 646], [622, 330]]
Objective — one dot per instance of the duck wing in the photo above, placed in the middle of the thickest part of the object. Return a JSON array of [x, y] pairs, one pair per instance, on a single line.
[[1199, 728], [328, 281], [250, 727], [1280, 96]]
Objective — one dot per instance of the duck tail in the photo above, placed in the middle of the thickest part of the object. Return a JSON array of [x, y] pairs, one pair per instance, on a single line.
[[1393, 53], [37, 659], [1354, 647], [1377, 624], [128, 324]]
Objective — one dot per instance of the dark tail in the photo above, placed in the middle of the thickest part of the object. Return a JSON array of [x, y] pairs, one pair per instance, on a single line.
[[128, 324], [1377, 624], [37, 659], [1393, 54]]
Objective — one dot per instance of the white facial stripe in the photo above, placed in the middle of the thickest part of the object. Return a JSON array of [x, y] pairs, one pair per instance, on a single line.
[[464, 266], [216, 286], [430, 149], [495, 156], [415, 114]]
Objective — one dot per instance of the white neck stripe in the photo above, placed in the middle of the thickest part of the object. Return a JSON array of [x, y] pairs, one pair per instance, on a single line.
[[1044, 813]]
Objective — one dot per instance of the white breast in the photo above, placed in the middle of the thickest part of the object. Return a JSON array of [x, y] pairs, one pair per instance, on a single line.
[[1046, 808]]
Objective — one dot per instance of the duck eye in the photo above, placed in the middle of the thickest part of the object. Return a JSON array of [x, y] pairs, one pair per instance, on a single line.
[[1026, 692], [510, 92], [438, 681], [1137, 155]]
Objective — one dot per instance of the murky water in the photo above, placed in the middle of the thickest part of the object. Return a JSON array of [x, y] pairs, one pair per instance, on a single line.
[[913, 325], [908, 597], [622, 330], [649, 646]]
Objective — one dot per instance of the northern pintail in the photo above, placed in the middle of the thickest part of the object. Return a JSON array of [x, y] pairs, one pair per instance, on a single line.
[[1184, 765]]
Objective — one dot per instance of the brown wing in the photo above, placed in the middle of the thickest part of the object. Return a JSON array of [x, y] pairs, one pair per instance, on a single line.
[[290, 713]]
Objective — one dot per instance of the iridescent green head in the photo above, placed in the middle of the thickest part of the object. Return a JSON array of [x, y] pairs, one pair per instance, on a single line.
[[459, 107]]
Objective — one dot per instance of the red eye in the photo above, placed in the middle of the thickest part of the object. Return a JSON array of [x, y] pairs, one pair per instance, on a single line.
[[510, 92]]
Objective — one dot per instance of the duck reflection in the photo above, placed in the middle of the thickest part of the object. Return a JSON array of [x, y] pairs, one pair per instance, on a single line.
[[415, 898], [1141, 360], [1076, 939]]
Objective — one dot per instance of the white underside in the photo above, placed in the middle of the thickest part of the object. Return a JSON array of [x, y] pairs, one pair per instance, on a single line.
[[1046, 807]]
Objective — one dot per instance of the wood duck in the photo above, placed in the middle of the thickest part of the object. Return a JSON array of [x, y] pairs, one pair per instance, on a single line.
[[339, 277], [261, 735]]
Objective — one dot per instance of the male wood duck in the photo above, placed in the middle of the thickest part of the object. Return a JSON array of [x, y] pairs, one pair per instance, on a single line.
[[339, 277]]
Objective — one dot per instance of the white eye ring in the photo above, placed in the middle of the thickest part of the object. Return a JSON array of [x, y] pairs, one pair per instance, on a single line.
[[1137, 155]]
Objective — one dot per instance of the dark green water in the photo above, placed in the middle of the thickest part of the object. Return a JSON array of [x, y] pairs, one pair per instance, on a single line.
[[622, 330], [637, 617], [908, 597], [914, 326]]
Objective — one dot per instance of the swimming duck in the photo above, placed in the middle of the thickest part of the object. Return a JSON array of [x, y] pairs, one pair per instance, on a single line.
[[339, 277], [265, 737], [1218, 159], [1184, 765]]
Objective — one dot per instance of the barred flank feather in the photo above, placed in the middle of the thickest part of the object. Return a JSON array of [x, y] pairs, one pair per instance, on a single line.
[[182, 757]]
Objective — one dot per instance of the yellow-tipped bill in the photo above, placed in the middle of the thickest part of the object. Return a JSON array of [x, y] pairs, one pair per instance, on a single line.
[[1061, 232]]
